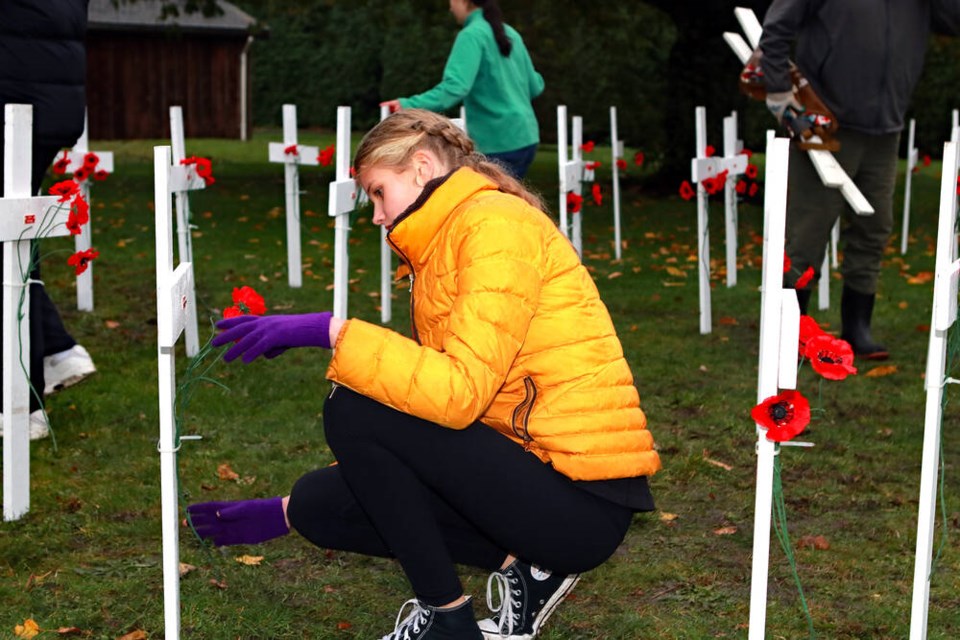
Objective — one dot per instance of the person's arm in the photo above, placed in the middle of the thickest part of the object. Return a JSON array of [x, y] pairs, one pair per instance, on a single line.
[[535, 83], [945, 16], [500, 262], [781, 24], [458, 77]]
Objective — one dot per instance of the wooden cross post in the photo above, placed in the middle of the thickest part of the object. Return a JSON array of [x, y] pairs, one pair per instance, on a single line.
[[779, 339], [955, 126], [944, 315], [732, 148], [571, 175], [292, 155], [701, 169], [386, 261], [174, 297], [83, 241], [912, 157], [22, 218], [616, 154], [183, 180], [343, 200]]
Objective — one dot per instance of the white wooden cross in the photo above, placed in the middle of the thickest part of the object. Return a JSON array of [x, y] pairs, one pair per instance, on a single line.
[[174, 299], [75, 160], [183, 180], [779, 340], [944, 315], [955, 126], [22, 218], [570, 162], [831, 173], [616, 154], [912, 156], [703, 168], [344, 196], [732, 155], [292, 155], [386, 260]]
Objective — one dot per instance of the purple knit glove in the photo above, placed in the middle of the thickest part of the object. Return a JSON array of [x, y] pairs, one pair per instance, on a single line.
[[242, 522], [270, 336]]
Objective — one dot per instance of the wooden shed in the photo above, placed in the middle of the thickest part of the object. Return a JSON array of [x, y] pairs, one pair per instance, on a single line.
[[141, 61]]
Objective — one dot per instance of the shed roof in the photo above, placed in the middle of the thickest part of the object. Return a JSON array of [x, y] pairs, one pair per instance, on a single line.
[[148, 15]]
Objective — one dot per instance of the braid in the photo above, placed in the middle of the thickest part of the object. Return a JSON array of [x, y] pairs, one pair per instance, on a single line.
[[394, 140], [493, 15]]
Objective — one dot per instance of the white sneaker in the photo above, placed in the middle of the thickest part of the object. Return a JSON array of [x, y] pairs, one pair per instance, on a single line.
[[38, 425], [67, 368]]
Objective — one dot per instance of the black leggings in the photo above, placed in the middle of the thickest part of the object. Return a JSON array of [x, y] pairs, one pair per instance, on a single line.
[[431, 496]]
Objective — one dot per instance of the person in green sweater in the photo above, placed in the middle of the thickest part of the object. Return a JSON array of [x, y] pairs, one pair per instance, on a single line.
[[490, 71]]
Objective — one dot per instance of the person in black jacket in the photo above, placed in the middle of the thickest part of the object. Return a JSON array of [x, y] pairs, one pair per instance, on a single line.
[[43, 64]]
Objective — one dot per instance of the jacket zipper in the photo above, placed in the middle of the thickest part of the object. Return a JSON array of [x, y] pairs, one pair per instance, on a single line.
[[413, 324], [521, 413]]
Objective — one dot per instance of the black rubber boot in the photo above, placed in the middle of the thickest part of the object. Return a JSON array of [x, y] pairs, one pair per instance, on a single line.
[[803, 298], [856, 309]]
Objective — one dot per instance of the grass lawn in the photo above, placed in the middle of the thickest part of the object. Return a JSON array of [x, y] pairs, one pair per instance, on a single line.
[[87, 555]]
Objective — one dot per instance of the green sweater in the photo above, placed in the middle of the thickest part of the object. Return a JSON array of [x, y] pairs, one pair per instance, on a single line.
[[496, 91]]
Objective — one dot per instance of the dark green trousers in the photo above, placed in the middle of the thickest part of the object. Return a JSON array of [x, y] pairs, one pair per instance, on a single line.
[[812, 209]]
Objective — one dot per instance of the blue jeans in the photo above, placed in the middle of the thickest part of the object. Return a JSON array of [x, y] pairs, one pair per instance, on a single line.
[[516, 162]]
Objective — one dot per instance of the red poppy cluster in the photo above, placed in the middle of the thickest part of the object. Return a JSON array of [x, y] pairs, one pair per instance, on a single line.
[[597, 194], [574, 202], [592, 165], [325, 157], [87, 170], [621, 164], [203, 167], [784, 415], [245, 301], [716, 183], [60, 166], [829, 356], [69, 190], [587, 147], [291, 150]]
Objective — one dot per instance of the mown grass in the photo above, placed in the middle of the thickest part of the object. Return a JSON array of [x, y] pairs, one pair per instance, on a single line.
[[88, 553]]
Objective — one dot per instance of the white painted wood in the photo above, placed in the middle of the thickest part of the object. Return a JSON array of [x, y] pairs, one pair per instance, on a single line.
[[386, 259], [823, 282], [703, 221], [576, 217], [562, 166], [732, 147], [770, 370], [342, 200], [751, 26], [942, 318], [616, 153], [912, 156], [739, 46]]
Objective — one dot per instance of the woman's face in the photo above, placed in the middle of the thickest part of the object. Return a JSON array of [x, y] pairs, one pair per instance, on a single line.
[[461, 9], [391, 191]]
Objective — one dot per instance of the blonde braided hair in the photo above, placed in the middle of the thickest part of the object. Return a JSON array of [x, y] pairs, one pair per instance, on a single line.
[[393, 141]]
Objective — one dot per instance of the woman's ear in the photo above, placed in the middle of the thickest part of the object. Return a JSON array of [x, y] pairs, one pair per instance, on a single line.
[[426, 167]]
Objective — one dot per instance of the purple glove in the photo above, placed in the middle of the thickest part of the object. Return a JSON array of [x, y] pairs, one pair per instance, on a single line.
[[242, 522], [270, 336]]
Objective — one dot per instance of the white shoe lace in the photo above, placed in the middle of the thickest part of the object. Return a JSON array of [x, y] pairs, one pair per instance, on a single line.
[[414, 621], [506, 617]]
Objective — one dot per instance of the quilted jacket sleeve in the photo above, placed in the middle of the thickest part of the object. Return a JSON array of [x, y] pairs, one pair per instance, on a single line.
[[499, 260]]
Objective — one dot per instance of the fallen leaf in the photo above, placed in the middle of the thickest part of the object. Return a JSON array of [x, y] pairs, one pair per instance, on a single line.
[[28, 629], [725, 531], [139, 634], [677, 273], [343, 625], [668, 517], [614, 274], [716, 463], [813, 542], [727, 320], [922, 277], [224, 472], [253, 561], [186, 568], [881, 371], [69, 631], [111, 324], [903, 304], [219, 584]]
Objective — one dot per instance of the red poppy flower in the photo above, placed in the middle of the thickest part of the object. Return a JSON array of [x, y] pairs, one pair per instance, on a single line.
[[751, 171], [81, 174], [784, 415], [709, 151], [741, 187], [65, 189], [60, 166], [232, 312], [638, 158], [587, 147], [926, 160], [747, 153], [621, 164], [786, 263], [592, 166], [686, 191], [81, 259], [809, 329], [91, 160], [753, 189], [100, 175], [597, 195], [830, 357], [574, 201], [710, 185], [721, 179], [291, 150], [79, 214], [249, 301], [804, 279], [325, 157]]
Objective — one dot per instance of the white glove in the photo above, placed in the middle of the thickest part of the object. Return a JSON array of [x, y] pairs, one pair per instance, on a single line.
[[784, 103]]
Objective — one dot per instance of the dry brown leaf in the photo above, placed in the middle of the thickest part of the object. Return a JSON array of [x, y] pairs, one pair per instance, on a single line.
[[725, 531], [813, 542], [186, 568], [111, 324], [922, 277], [343, 625], [252, 561], [28, 629], [902, 304], [716, 463], [614, 274], [69, 631], [139, 634], [676, 273], [219, 584], [728, 320], [224, 472], [668, 517], [881, 371]]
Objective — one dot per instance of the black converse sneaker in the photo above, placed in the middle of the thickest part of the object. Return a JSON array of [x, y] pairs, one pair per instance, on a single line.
[[528, 595], [431, 623]]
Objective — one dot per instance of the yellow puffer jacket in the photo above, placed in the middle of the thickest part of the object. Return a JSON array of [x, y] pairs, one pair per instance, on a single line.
[[509, 329]]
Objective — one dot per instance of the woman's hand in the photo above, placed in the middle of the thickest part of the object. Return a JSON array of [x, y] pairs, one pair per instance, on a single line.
[[392, 105], [270, 336]]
